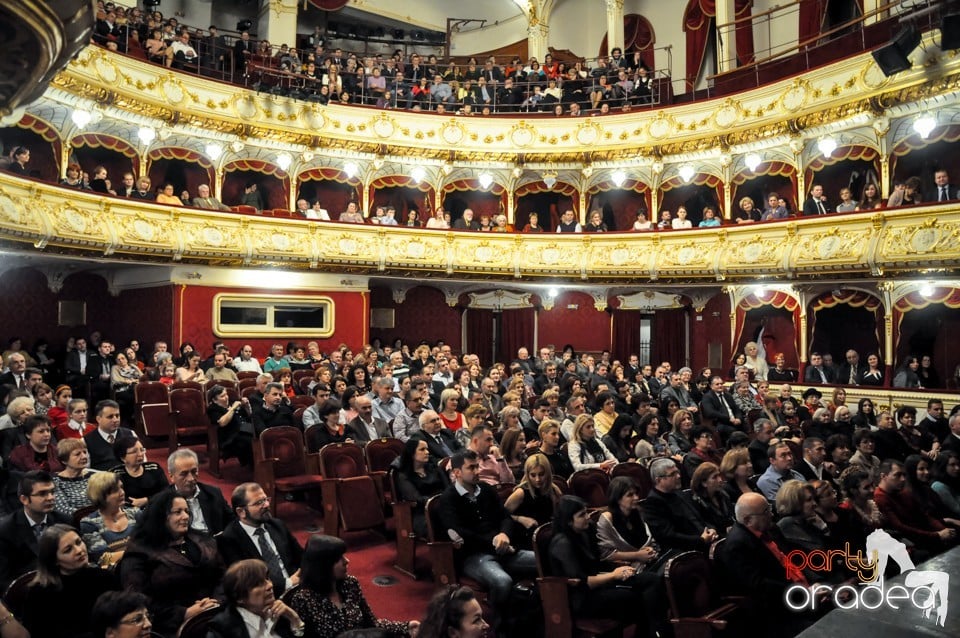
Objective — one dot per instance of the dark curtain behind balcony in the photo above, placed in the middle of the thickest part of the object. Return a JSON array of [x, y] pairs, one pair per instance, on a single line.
[[516, 331], [667, 341], [698, 23], [626, 333], [480, 334]]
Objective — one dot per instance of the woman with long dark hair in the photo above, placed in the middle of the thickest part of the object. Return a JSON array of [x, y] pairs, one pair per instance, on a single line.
[[946, 481], [178, 569], [418, 479], [454, 612], [622, 594], [329, 600], [622, 534], [60, 596]]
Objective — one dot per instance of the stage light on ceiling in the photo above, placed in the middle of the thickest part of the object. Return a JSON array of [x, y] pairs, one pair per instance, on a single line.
[[351, 169], [418, 173], [147, 134], [485, 179], [752, 160], [214, 151], [687, 172], [618, 178], [925, 125], [827, 146], [284, 160], [81, 117]]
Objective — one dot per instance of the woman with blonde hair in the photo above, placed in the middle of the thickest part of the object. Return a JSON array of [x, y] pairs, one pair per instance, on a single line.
[[586, 450], [737, 468], [801, 525], [532, 503], [757, 364], [72, 482], [449, 411], [108, 530], [679, 437]]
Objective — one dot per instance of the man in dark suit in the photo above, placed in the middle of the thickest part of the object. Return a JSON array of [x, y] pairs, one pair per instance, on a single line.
[[365, 427], [242, 50], [256, 534], [673, 520], [20, 530], [719, 406], [440, 441], [75, 367], [274, 410], [952, 442], [817, 203], [100, 441], [99, 365], [209, 512], [750, 561], [851, 372], [16, 373], [816, 372], [942, 191]]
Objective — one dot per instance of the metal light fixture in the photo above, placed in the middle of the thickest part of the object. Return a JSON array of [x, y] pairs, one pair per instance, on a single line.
[[486, 180], [618, 178], [351, 169], [752, 160], [81, 117], [827, 146], [284, 160], [687, 172], [147, 134], [214, 151], [550, 179], [925, 125], [418, 173]]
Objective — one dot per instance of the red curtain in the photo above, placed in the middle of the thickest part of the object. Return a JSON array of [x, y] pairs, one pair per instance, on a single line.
[[697, 23], [638, 35], [811, 17], [329, 5], [516, 331], [480, 334], [667, 342], [626, 333]]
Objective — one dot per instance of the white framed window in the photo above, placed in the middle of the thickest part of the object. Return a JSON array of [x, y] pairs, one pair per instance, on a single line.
[[246, 315]]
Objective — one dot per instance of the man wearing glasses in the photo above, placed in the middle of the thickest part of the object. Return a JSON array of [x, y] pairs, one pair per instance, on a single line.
[[257, 534], [20, 530], [440, 441], [672, 517]]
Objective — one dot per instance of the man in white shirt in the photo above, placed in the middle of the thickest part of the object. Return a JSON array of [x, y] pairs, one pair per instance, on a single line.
[[246, 362], [365, 426]]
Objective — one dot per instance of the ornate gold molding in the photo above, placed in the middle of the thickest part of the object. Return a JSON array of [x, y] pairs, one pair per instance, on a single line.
[[863, 245]]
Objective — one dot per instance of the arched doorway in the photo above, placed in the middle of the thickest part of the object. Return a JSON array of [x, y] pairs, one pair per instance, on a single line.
[[703, 190], [43, 142], [769, 177], [332, 187], [928, 325], [770, 318], [404, 194], [850, 167], [844, 320], [619, 204], [468, 193], [98, 149], [548, 202], [182, 167], [273, 184]]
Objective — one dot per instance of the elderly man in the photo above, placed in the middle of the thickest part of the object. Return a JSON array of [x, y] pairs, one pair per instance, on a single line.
[[673, 518], [209, 513], [440, 441], [16, 374], [763, 431], [851, 372], [491, 400], [366, 427], [751, 562], [205, 200], [676, 391], [779, 471], [467, 222]]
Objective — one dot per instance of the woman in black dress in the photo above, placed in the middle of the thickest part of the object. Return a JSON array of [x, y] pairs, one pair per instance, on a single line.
[[234, 429], [141, 479], [533, 502], [418, 479]]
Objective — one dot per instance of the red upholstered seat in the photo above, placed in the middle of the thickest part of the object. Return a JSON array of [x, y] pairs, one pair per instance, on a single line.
[[283, 464], [189, 419], [695, 608], [590, 485], [352, 500], [639, 473]]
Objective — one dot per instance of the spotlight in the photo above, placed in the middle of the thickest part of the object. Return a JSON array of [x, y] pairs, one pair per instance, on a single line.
[[418, 35], [147, 134], [81, 117], [687, 172], [379, 32], [892, 58], [827, 146], [752, 161], [552, 293], [351, 169], [398, 34], [927, 289], [214, 151], [925, 125]]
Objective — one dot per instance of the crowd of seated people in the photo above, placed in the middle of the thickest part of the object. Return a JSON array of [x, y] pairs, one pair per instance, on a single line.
[[716, 471]]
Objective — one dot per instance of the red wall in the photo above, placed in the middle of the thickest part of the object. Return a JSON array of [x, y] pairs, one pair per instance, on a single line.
[[587, 328], [31, 309], [193, 320], [712, 329], [423, 315]]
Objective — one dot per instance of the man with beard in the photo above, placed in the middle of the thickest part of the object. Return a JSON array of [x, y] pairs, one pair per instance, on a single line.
[[256, 534]]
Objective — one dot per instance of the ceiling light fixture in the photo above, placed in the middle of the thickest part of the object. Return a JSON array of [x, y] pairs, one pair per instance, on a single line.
[[284, 160], [147, 134], [752, 160], [418, 173], [618, 178], [486, 180], [827, 146], [81, 117], [351, 169], [214, 151], [925, 125], [687, 172]]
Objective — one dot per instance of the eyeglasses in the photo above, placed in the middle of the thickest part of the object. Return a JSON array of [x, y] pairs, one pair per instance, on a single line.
[[139, 619], [261, 502]]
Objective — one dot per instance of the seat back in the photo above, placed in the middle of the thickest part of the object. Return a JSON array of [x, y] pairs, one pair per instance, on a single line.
[[687, 578], [16, 595], [181, 385], [301, 401], [249, 374], [150, 392], [285, 444], [541, 549], [364, 509], [156, 419], [188, 407], [342, 460], [639, 473], [381, 453], [196, 625], [590, 485], [224, 383], [302, 374], [435, 530], [561, 484]]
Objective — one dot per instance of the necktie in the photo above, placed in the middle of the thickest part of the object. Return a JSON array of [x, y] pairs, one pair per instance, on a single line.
[[943, 193], [270, 557], [820, 208], [111, 438], [853, 375], [20, 382], [823, 377], [38, 530], [443, 445]]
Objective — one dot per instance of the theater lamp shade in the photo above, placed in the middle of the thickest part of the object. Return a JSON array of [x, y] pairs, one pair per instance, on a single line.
[[950, 32], [893, 57]]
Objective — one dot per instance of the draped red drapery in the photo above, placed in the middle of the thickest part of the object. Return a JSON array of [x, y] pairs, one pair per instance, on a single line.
[[775, 299], [854, 299], [668, 341], [638, 35], [480, 333], [626, 333], [516, 331], [696, 24]]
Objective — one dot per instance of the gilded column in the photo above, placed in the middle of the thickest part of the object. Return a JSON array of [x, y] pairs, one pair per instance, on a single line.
[[796, 145], [277, 22], [218, 181], [655, 191], [614, 24], [725, 163], [537, 39]]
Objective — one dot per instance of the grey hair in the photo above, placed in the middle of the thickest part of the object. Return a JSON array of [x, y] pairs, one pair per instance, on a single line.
[[660, 467], [759, 423], [182, 453]]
